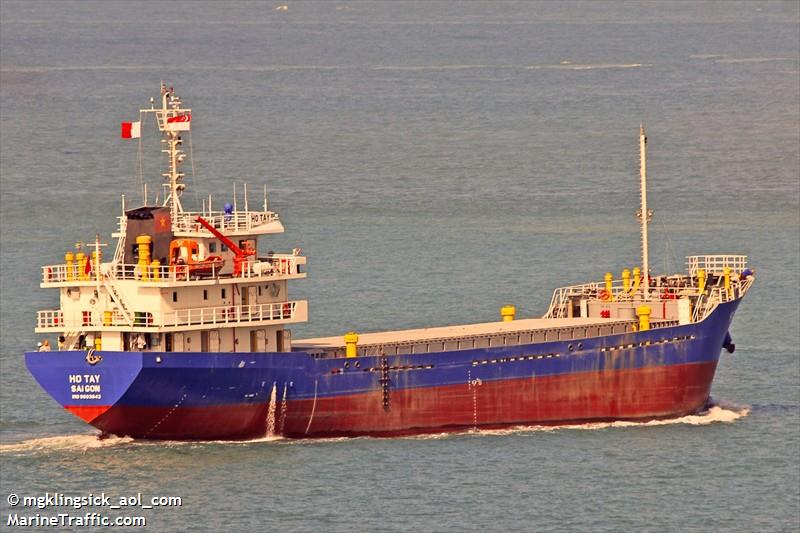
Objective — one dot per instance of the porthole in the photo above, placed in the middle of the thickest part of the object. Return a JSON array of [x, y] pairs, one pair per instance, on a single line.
[[580, 346], [571, 347], [358, 365], [347, 365]]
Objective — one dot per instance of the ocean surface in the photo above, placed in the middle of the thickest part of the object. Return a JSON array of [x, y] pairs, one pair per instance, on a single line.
[[434, 160]]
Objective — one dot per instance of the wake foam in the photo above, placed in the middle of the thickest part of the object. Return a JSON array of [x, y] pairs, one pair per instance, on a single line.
[[707, 56], [733, 60], [90, 442], [565, 65], [719, 412], [73, 443]]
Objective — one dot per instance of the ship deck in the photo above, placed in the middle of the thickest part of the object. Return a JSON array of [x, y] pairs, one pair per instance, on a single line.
[[456, 332]]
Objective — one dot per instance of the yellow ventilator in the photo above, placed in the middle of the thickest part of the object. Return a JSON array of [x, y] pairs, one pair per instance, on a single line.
[[155, 266], [69, 258], [80, 259], [351, 344], [626, 280], [701, 280], [97, 256], [637, 279], [143, 245], [507, 312], [609, 281], [727, 273], [643, 312], [98, 343], [107, 317]]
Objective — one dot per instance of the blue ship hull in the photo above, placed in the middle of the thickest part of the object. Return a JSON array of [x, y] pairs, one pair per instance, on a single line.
[[659, 373]]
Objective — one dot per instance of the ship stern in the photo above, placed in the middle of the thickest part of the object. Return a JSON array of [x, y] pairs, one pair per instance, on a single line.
[[87, 384]]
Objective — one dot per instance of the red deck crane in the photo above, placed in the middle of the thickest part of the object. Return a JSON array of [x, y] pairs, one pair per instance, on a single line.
[[240, 255]]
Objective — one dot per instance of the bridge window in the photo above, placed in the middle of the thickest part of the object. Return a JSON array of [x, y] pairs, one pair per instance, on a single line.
[[222, 293], [222, 247], [212, 247], [205, 294], [174, 296]]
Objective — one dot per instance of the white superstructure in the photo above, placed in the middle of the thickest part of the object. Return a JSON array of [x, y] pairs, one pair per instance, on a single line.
[[178, 280]]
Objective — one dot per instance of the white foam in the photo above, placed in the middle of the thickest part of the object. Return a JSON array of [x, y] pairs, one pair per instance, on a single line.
[[707, 56], [430, 67], [86, 442], [79, 443], [578, 66], [729, 60], [721, 412]]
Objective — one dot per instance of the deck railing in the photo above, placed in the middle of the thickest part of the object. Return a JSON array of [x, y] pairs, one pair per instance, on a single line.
[[236, 222], [272, 266], [675, 286], [719, 294], [201, 316], [666, 287], [716, 264]]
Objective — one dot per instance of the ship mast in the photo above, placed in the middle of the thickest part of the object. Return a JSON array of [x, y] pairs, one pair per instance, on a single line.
[[644, 214], [172, 119]]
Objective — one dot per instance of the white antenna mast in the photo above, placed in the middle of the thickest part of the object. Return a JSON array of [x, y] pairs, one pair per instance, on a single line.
[[644, 214], [171, 119]]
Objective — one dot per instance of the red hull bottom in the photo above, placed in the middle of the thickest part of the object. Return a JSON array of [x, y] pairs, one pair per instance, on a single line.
[[638, 394]]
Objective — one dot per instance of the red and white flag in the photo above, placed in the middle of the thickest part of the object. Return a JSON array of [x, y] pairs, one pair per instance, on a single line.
[[131, 130], [179, 123]]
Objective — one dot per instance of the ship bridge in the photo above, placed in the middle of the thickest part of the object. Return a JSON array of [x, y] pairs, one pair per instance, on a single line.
[[234, 223]]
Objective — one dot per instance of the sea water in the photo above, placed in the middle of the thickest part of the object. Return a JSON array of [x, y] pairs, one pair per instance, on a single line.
[[435, 161]]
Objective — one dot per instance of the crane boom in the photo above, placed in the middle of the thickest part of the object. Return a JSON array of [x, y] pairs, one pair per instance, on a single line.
[[225, 240]]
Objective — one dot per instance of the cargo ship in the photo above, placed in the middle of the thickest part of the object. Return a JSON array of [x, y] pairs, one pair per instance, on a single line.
[[184, 334]]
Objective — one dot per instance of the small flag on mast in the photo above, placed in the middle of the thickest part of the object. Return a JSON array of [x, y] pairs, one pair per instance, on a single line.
[[179, 123], [131, 130]]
